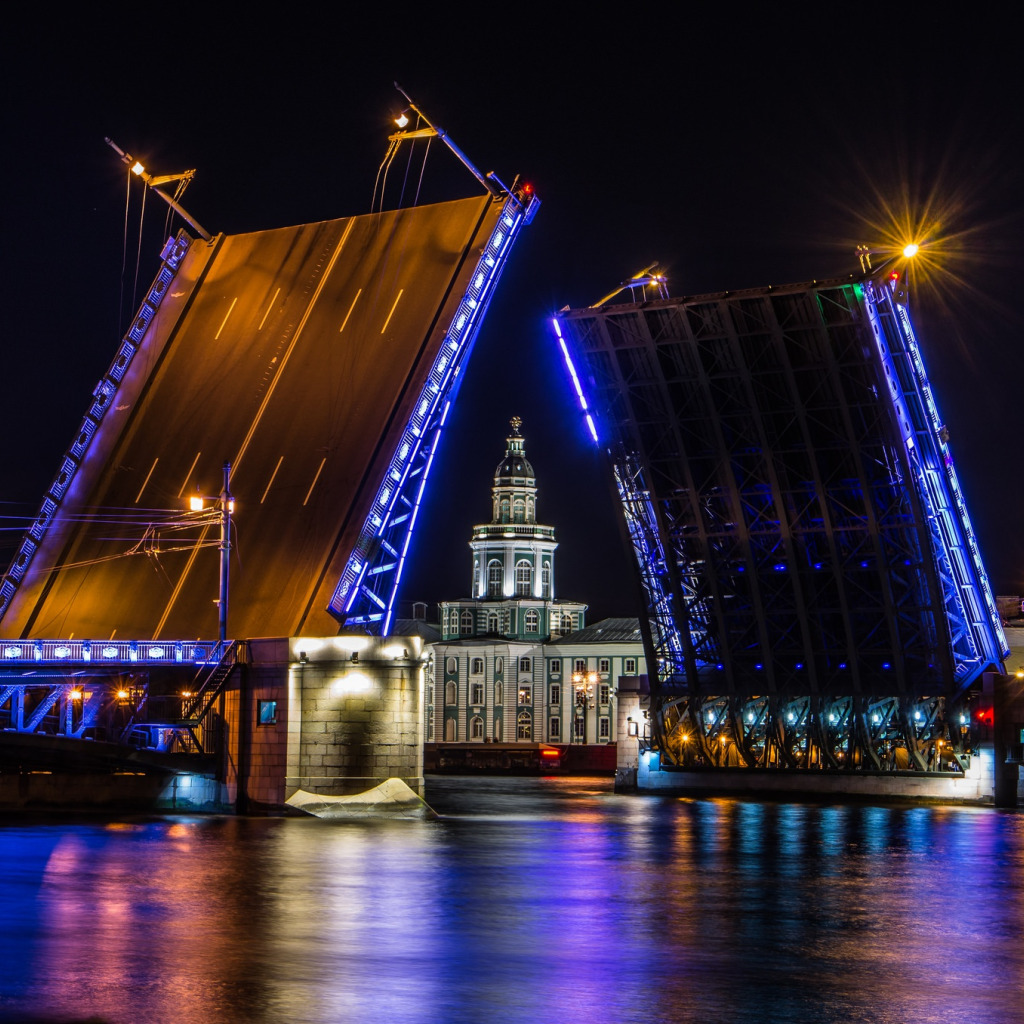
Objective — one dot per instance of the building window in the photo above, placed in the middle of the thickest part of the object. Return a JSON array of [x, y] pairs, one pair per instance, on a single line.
[[603, 693], [492, 622], [532, 621], [476, 728], [545, 579], [476, 693], [451, 666], [430, 693], [525, 695], [578, 725], [604, 667], [476, 667], [450, 694], [566, 623], [499, 665], [499, 692], [524, 664], [266, 712], [580, 665], [518, 512], [555, 694], [604, 728], [450, 730], [497, 730], [430, 729], [556, 666], [555, 728], [524, 578], [631, 666], [494, 575], [524, 726], [467, 621]]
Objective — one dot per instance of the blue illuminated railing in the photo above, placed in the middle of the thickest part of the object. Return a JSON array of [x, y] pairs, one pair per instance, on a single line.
[[173, 252], [366, 592], [976, 631], [110, 652]]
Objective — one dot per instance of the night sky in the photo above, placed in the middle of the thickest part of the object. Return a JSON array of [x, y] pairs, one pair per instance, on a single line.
[[737, 147]]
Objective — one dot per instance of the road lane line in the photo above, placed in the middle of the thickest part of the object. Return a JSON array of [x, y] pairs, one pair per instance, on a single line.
[[271, 480], [291, 348], [146, 481], [269, 308], [225, 320], [181, 582], [350, 308], [184, 483], [317, 477], [392, 313]]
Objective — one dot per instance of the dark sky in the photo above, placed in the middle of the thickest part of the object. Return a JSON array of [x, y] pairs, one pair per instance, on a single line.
[[739, 147]]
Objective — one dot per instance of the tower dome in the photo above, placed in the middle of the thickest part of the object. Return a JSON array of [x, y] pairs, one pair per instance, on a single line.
[[515, 466], [515, 485]]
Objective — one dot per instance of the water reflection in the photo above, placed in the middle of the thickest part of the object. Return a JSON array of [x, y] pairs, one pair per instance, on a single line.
[[528, 900]]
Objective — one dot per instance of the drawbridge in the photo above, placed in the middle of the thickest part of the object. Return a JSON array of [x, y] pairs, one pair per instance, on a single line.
[[814, 594], [319, 363]]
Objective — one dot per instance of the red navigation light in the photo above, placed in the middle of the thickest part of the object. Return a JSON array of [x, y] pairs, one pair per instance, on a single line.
[[527, 188], [894, 276]]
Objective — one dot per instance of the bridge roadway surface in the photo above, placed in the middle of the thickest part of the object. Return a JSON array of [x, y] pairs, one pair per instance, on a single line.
[[297, 354]]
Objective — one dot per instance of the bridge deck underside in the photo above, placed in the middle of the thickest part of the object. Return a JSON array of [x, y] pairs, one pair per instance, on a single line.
[[295, 354], [799, 561]]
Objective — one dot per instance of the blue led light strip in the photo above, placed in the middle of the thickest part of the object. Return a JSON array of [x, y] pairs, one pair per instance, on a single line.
[[580, 397], [173, 252], [366, 592]]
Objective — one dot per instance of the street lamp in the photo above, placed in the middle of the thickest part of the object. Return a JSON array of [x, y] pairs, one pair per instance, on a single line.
[[865, 252], [226, 502], [583, 695]]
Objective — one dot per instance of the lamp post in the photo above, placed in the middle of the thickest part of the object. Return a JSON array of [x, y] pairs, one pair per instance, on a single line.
[[583, 696], [227, 506]]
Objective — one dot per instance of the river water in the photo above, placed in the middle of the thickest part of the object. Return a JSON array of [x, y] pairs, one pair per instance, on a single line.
[[540, 900]]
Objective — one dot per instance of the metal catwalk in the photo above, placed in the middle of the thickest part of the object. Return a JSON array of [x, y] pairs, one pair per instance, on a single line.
[[813, 589]]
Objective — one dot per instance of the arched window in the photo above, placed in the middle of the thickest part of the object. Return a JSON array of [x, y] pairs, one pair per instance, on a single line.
[[451, 693], [519, 512], [504, 510], [451, 666], [497, 730], [524, 578], [566, 623], [524, 726], [450, 730], [494, 575], [524, 665], [467, 621], [492, 622], [499, 665], [532, 621], [476, 728], [477, 582], [545, 579], [476, 666], [499, 692]]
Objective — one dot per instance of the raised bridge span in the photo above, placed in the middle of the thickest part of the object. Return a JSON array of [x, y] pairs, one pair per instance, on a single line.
[[319, 361]]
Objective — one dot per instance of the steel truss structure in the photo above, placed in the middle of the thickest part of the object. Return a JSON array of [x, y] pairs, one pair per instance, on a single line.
[[813, 588]]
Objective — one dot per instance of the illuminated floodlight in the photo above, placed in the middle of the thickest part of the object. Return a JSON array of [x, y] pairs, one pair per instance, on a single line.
[[138, 169], [76, 695], [911, 250], [195, 503], [402, 120]]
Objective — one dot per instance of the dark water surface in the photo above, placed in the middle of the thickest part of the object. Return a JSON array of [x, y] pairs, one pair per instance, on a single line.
[[540, 900]]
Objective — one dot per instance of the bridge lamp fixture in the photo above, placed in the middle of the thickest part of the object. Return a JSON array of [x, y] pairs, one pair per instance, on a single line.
[[403, 119], [76, 694]]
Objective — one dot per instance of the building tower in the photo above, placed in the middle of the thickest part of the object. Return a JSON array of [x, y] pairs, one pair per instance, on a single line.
[[513, 582]]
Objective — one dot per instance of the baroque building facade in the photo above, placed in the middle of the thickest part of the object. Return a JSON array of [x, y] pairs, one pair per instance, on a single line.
[[515, 664]]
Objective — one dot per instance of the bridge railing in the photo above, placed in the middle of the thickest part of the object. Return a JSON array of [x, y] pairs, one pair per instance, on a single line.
[[112, 652]]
